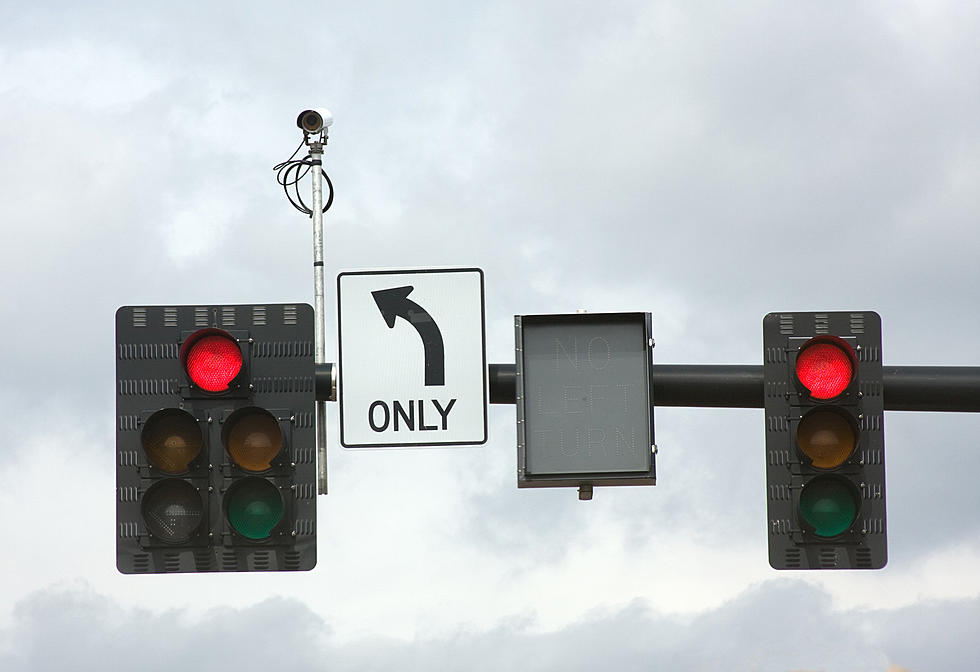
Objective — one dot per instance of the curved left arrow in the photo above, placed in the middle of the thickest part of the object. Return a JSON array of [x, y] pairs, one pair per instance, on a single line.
[[394, 303]]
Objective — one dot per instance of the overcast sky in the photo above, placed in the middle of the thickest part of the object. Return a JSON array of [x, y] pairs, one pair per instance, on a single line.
[[705, 165]]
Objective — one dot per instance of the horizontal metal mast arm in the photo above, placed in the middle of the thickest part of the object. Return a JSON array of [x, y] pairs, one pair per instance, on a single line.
[[712, 385], [906, 388], [932, 388]]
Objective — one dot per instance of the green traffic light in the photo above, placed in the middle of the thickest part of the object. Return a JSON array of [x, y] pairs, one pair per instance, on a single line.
[[254, 508], [829, 505]]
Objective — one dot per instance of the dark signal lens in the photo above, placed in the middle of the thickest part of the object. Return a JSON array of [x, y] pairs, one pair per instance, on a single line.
[[171, 439], [252, 438], [254, 508], [829, 505], [172, 510], [825, 368], [826, 437], [213, 360]]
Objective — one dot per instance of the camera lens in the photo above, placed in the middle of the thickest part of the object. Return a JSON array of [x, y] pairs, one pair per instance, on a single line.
[[311, 122]]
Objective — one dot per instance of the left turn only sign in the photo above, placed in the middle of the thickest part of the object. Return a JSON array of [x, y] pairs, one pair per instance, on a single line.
[[413, 358]]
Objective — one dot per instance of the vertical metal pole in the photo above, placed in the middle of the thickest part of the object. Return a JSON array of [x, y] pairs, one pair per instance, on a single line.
[[316, 156]]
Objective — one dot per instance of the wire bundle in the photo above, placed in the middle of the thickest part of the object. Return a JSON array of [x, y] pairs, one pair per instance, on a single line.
[[291, 171]]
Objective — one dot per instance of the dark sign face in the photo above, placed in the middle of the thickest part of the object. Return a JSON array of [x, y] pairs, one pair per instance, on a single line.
[[586, 396]]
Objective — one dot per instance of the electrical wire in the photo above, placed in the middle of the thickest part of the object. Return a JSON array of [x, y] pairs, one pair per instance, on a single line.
[[291, 171]]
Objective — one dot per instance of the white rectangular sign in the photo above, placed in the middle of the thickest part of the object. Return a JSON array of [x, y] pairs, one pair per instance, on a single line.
[[413, 362]]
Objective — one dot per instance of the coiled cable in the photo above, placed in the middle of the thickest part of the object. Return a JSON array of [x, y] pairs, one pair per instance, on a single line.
[[291, 171]]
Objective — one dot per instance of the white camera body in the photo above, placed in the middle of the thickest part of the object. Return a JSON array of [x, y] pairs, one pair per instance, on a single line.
[[314, 121]]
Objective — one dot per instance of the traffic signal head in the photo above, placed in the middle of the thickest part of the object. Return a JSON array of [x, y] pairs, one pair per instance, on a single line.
[[215, 438], [825, 468]]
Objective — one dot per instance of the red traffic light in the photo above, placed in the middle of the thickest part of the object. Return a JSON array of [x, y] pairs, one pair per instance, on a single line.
[[825, 367], [825, 457], [215, 438], [212, 359]]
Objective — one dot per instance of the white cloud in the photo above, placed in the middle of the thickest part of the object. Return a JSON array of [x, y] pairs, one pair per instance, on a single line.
[[198, 231], [767, 627], [943, 574], [78, 74]]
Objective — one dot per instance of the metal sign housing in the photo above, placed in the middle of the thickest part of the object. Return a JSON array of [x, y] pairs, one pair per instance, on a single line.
[[584, 400]]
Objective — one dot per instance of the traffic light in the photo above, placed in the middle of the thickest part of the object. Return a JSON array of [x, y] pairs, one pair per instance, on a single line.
[[215, 467], [825, 467]]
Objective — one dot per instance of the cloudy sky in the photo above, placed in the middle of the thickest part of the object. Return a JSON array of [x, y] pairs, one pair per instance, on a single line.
[[708, 165]]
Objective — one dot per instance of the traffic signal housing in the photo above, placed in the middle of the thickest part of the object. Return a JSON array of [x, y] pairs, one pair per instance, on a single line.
[[215, 467], [825, 466]]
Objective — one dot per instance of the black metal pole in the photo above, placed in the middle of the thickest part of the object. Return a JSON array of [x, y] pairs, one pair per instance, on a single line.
[[932, 388], [906, 388], [713, 385]]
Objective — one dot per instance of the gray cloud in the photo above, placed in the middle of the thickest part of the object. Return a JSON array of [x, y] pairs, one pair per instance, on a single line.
[[779, 625], [81, 630]]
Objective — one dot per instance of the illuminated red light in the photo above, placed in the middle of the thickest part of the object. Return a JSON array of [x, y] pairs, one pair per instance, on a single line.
[[825, 369], [213, 361]]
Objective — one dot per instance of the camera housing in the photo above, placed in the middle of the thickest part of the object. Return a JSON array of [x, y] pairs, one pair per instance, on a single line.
[[315, 120]]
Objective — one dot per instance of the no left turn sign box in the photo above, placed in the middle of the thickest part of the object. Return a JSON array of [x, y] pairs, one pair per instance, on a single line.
[[413, 369]]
